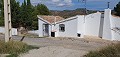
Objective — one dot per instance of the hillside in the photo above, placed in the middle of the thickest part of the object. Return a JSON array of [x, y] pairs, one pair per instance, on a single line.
[[70, 13]]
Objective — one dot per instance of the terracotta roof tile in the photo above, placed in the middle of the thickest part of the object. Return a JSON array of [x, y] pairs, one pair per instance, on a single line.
[[51, 19]]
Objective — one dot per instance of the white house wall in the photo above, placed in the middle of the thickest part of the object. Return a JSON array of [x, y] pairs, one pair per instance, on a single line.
[[50, 28], [80, 25], [40, 22], [55, 28], [70, 29], [92, 24]]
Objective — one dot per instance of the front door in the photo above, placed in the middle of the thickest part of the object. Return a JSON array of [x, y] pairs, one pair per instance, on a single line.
[[45, 30]]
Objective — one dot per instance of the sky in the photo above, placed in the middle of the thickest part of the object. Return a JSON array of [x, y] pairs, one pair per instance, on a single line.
[[74, 4]]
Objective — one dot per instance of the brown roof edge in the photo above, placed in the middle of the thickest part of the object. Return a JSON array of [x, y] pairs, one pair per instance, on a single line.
[[50, 19]]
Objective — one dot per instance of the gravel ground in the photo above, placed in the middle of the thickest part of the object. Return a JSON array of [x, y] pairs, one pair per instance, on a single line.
[[62, 47]]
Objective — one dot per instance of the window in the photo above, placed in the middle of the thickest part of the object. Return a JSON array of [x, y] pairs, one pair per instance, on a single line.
[[61, 27]]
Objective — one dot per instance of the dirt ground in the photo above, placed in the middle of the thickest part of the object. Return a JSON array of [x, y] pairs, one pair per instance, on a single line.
[[63, 47]]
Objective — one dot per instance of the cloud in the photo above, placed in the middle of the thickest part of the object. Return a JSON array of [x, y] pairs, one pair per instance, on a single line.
[[55, 1], [62, 3], [58, 3]]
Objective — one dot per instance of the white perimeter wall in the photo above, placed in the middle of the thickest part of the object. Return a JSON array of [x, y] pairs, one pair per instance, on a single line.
[[92, 24], [107, 32], [116, 23], [14, 31], [34, 32], [70, 29]]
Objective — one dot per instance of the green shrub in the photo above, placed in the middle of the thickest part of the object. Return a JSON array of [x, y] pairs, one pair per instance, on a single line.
[[14, 48], [110, 51]]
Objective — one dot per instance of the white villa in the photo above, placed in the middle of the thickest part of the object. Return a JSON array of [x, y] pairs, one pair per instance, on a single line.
[[104, 25]]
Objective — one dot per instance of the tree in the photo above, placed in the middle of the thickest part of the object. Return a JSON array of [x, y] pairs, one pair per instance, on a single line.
[[1, 13], [117, 9], [24, 15], [15, 13], [29, 14], [42, 9]]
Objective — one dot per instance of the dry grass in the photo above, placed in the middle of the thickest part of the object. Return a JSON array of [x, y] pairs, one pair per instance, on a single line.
[[110, 51], [14, 48]]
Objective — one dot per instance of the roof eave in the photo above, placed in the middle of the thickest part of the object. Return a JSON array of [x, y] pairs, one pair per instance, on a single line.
[[43, 19]]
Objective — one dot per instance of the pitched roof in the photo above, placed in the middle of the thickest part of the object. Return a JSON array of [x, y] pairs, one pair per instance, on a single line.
[[50, 19]]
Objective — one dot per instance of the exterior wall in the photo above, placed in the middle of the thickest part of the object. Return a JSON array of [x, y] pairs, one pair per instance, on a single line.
[[34, 32], [116, 23], [92, 24], [40, 23], [55, 28], [70, 29], [50, 30], [14, 31], [107, 33], [80, 25], [40, 28], [2, 30], [96, 24], [101, 25]]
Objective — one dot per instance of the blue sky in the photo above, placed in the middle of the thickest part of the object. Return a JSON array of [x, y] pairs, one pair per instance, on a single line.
[[73, 4]]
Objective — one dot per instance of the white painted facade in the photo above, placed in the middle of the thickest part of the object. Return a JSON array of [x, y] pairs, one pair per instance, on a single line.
[[74, 26], [70, 28], [92, 24], [14, 31], [96, 24]]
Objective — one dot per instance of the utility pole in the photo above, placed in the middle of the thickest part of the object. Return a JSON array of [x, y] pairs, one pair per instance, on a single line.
[[108, 5], [7, 20], [85, 8], [85, 1]]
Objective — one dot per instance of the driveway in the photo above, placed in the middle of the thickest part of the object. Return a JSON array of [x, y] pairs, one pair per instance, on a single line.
[[62, 47]]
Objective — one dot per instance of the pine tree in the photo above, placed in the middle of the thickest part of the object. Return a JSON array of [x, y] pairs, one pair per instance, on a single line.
[[23, 14], [1, 13], [29, 14], [28, 2], [117, 9], [26, 14], [42, 9], [15, 12]]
